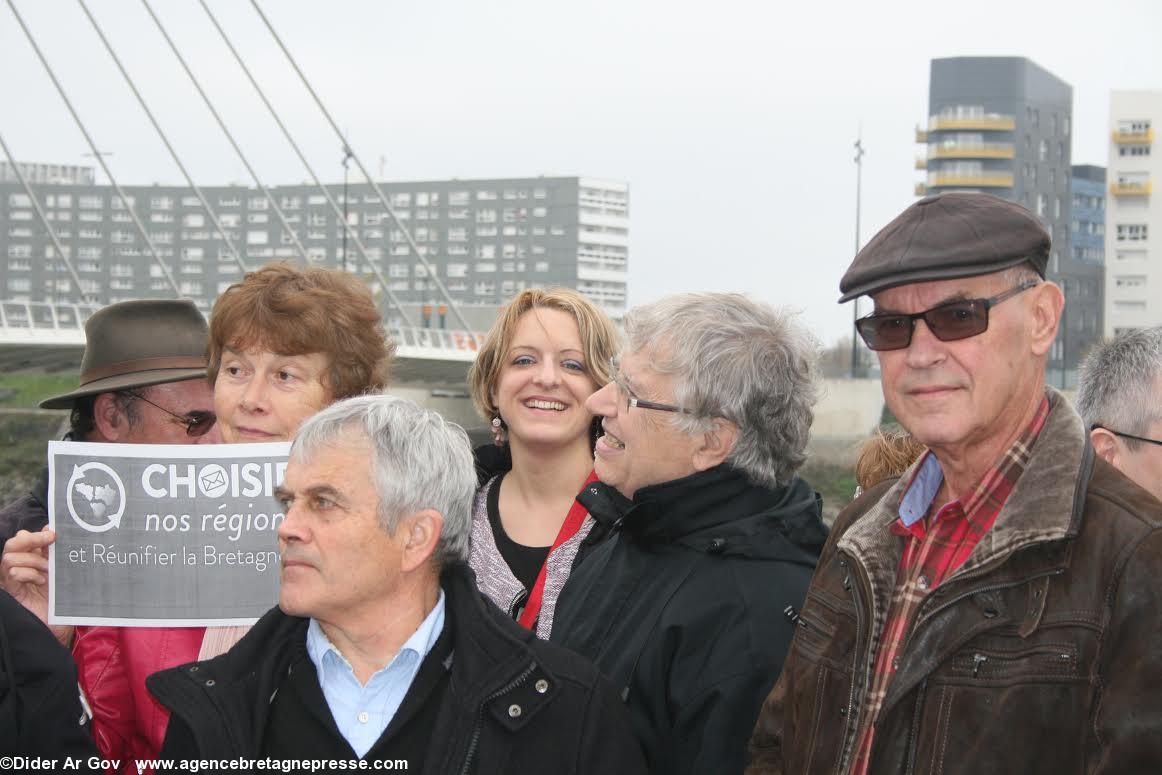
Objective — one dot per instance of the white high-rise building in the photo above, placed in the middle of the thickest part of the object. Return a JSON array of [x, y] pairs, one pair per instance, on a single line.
[[1133, 288]]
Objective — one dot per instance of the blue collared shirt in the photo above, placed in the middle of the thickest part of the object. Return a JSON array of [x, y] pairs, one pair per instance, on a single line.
[[921, 491], [362, 712]]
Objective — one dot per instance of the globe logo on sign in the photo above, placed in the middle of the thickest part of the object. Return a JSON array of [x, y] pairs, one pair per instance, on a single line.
[[212, 480], [96, 497]]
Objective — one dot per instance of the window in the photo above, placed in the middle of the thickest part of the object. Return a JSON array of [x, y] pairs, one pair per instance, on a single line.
[[484, 195], [159, 203], [89, 251], [402, 199], [20, 251], [257, 237], [1132, 232], [486, 251], [456, 198], [257, 203], [1043, 150], [19, 284], [193, 221], [1130, 281], [457, 270], [19, 265], [91, 202], [541, 266]]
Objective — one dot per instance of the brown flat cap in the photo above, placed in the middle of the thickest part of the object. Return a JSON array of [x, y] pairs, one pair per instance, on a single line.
[[945, 236], [134, 344]]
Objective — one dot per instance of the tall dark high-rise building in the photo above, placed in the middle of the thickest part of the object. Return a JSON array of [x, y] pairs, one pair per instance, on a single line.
[[1003, 125]]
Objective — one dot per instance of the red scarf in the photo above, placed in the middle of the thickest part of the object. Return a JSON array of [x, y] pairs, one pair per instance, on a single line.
[[569, 528]]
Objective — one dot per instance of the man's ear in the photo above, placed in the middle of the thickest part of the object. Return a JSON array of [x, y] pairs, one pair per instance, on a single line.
[[1048, 303], [1105, 444], [110, 419], [717, 444], [420, 535]]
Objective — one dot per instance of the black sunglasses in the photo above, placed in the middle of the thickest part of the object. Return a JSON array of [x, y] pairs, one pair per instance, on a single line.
[[947, 322], [1130, 435], [198, 422]]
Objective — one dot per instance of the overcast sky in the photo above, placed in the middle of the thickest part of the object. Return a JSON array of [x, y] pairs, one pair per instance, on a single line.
[[732, 121]]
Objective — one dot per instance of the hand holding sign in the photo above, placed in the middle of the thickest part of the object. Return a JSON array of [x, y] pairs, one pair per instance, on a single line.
[[24, 575]]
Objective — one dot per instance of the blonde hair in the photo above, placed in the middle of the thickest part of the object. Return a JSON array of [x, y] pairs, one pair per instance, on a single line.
[[885, 455], [599, 340]]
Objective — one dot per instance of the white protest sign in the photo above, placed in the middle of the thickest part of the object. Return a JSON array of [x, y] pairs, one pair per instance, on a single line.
[[154, 535]]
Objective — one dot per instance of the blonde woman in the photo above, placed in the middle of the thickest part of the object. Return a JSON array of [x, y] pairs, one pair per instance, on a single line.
[[546, 354]]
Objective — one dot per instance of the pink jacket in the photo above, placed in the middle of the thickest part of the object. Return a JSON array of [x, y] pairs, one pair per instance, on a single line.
[[112, 664]]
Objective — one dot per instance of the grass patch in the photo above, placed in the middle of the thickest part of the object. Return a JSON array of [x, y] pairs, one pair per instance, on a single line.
[[23, 447], [834, 481], [25, 391]]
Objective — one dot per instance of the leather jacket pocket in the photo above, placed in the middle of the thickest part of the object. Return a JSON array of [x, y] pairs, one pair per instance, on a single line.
[[1022, 662]]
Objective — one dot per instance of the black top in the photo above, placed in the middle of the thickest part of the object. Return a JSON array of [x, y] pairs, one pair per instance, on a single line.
[[524, 561]]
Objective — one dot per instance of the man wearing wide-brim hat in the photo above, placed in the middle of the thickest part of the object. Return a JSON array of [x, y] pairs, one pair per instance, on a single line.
[[997, 607], [143, 380]]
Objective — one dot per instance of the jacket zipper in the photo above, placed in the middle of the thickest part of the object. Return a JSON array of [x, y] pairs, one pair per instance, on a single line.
[[851, 716], [480, 713]]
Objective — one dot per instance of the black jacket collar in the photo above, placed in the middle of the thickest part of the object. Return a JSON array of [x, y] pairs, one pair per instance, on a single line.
[[718, 511]]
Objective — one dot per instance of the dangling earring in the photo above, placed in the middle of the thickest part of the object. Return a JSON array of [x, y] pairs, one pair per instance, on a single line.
[[498, 434]]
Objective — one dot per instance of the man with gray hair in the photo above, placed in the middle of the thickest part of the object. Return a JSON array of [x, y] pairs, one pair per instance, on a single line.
[[1119, 396], [690, 607], [381, 648], [997, 607]]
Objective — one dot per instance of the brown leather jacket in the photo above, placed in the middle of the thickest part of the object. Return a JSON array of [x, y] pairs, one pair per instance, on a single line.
[[1043, 653]]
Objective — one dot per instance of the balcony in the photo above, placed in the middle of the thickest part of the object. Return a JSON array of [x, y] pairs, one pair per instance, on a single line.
[[921, 189], [988, 122], [972, 151], [1124, 188], [982, 180], [1136, 137], [921, 135], [922, 163]]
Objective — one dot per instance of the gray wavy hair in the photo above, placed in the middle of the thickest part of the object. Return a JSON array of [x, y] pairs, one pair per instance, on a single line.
[[419, 460], [1115, 388], [738, 359]]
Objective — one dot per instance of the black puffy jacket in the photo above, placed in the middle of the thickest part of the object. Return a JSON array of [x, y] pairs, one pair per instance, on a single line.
[[689, 609]]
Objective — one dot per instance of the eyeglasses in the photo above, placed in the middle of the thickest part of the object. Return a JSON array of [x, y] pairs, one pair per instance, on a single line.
[[631, 400], [947, 322], [198, 422], [1130, 436]]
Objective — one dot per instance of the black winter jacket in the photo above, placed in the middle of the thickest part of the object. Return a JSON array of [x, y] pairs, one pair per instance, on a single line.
[[689, 609], [568, 720], [40, 703]]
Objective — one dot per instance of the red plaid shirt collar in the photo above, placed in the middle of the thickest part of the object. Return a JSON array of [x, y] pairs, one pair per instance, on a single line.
[[933, 551]]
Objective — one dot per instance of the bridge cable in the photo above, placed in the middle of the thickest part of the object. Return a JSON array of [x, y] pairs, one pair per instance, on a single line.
[[85, 297], [222, 125], [353, 233], [379, 191], [125, 201], [177, 160]]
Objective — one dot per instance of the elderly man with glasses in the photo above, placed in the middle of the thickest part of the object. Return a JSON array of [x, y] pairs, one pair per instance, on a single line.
[[690, 606], [1119, 395], [996, 608]]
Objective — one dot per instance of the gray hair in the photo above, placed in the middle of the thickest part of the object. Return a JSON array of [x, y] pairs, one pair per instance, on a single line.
[[1117, 380], [419, 460], [740, 360]]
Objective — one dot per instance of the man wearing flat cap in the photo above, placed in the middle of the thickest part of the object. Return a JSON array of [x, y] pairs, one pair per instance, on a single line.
[[997, 607], [143, 380]]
